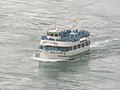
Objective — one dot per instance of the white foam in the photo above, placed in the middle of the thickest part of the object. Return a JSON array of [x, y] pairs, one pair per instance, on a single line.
[[102, 43]]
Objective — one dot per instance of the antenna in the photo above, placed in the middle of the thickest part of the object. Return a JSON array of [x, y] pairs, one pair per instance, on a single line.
[[55, 26]]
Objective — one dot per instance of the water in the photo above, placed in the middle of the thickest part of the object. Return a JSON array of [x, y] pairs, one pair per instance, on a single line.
[[21, 23]]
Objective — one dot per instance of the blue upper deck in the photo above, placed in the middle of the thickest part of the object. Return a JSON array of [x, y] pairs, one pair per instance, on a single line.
[[66, 35]]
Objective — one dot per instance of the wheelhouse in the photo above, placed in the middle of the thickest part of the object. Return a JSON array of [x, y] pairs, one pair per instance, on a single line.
[[54, 33]]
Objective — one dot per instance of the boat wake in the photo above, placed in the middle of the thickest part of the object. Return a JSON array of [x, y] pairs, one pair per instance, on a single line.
[[102, 43]]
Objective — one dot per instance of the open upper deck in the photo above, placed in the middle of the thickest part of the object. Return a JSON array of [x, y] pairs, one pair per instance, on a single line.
[[66, 35]]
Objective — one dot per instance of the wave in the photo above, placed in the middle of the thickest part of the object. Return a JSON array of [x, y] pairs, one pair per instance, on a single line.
[[102, 43]]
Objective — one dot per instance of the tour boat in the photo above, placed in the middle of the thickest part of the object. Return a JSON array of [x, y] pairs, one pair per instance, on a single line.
[[62, 44]]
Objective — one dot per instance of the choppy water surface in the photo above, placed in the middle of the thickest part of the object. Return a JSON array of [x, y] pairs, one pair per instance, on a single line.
[[21, 23]]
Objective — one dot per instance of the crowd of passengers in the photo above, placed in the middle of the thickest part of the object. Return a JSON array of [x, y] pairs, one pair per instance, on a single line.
[[68, 35]]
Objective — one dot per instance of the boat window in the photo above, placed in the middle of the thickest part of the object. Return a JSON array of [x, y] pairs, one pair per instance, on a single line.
[[83, 45], [48, 47], [79, 45], [51, 35], [87, 43], [63, 48], [56, 35], [40, 47], [67, 48], [70, 48], [75, 47], [59, 48]]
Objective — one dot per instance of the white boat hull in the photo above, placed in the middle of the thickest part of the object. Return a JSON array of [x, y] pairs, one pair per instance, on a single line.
[[44, 55]]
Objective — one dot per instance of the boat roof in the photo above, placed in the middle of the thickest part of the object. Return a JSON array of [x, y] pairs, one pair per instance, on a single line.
[[54, 31]]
